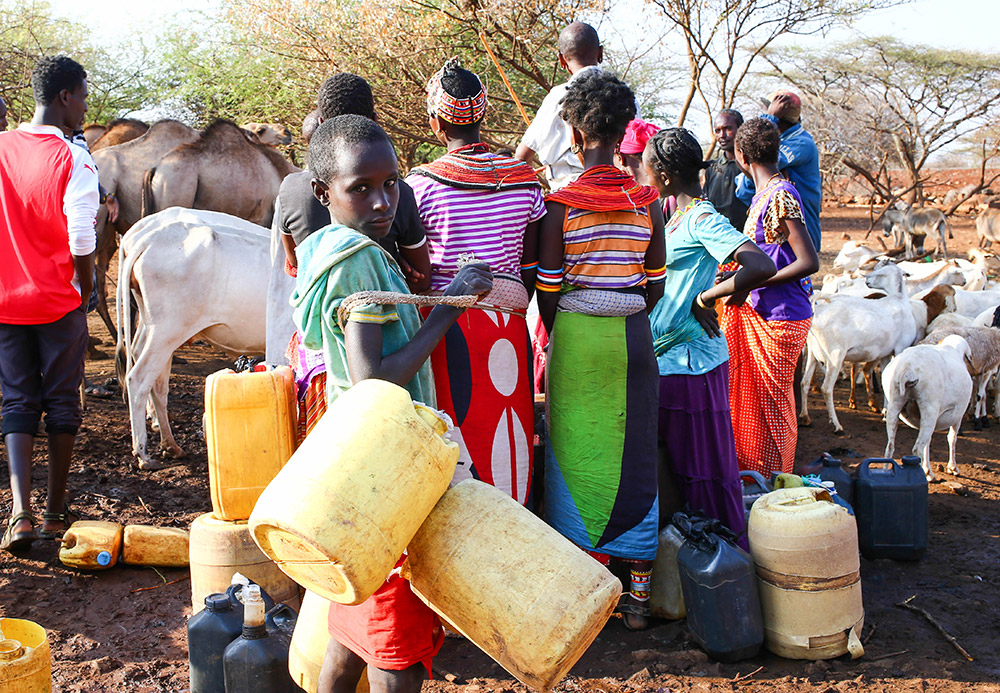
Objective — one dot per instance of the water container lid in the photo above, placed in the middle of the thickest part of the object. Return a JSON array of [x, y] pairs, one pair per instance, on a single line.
[[218, 602], [830, 461], [911, 460], [104, 558]]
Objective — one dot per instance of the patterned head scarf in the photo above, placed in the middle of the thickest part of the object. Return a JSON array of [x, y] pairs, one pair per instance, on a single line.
[[454, 110], [637, 134]]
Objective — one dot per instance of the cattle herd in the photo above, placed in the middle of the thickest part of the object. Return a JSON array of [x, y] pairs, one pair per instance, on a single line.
[[194, 207]]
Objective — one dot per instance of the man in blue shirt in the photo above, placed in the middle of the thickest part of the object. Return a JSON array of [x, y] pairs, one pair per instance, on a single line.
[[798, 158]]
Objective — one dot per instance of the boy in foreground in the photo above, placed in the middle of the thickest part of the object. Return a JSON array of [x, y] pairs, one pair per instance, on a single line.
[[355, 177]]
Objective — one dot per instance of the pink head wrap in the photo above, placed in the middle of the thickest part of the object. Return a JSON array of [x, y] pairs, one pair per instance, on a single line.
[[637, 134]]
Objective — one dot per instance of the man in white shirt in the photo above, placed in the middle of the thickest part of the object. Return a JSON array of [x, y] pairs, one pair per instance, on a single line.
[[549, 137]]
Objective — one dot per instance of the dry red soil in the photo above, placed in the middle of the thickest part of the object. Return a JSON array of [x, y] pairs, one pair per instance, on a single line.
[[106, 636]]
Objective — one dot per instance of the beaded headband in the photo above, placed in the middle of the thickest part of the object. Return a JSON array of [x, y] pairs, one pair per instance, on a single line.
[[457, 111]]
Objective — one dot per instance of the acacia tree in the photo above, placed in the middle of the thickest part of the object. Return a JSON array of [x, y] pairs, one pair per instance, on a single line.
[[897, 104], [724, 38], [397, 45], [119, 80]]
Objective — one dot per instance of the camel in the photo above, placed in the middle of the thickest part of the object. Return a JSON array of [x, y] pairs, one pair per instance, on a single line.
[[222, 171], [93, 132], [119, 131], [120, 169], [271, 134]]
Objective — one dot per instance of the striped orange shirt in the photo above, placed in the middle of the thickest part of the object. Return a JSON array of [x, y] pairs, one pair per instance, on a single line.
[[605, 250]]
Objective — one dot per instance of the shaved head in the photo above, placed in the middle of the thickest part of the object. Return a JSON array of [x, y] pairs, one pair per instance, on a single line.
[[580, 42]]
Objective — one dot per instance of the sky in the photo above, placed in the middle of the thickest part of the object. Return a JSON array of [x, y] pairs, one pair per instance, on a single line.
[[970, 24]]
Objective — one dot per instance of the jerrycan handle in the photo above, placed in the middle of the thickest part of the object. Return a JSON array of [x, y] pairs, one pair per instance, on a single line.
[[880, 469], [755, 476], [281, 617]]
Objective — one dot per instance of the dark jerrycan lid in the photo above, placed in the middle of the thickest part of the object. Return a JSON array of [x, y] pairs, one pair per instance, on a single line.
[[830, 461], [218, 602], [911, 461]]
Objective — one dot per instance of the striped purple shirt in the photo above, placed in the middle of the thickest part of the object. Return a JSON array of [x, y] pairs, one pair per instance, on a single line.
[[485, 223]]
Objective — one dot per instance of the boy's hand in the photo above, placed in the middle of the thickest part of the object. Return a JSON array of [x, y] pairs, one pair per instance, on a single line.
[[474, 278]]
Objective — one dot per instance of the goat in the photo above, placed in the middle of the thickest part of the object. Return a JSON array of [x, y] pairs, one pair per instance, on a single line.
[[983, 362], [928, 388], [909, 226]]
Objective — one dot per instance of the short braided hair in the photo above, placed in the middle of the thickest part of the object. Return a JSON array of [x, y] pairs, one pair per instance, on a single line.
[[599, 105], [345, 94], [758, 139], [333, 134], [675, 152]]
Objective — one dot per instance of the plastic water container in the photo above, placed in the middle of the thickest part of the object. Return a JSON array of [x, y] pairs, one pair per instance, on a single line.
[[339, 515], [162, 546], [805, 550], [539, 601], [666, 600], [218, 549], [250, 432], [91, 545], [209, 633], [753, 490], [309, 643], [891, 506], [257, 661], [720, 590], [25, 662]]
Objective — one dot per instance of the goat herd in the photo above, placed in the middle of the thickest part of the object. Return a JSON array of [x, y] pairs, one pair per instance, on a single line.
[[929, 327]]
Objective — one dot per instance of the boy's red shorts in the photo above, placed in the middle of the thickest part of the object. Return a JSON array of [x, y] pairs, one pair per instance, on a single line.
[[392, 629]]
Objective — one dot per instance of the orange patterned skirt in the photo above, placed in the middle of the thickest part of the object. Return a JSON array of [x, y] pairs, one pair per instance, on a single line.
[[762, 358]]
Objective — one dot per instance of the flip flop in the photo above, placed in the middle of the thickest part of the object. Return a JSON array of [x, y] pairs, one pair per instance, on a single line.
[[19, 541], [626, 607], [67, 517]]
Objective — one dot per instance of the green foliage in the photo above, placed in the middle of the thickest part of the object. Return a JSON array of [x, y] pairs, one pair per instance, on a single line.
[[119, 78]]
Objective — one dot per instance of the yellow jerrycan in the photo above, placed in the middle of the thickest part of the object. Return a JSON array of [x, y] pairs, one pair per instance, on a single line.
[[805, 552], [91, 544], [511, 584], [161, 546], [340, 513], [218, 549], [25, 662], [309, 641], [250, 432]]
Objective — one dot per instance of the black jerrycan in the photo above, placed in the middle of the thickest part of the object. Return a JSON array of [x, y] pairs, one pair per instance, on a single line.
[[833, 470], [720, 590], [209, 633], [257, 661], [891, 507]]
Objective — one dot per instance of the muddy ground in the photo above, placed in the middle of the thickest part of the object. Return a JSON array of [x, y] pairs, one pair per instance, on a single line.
[[107, 635]]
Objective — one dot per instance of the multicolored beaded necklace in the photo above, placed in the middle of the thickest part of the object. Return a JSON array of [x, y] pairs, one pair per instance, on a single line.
[[675, 220]]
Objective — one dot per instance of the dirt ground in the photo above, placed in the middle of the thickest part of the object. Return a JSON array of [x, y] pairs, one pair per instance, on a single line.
[[106, 635]]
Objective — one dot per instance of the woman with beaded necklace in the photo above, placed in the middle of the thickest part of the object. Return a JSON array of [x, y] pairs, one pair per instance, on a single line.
[[695, 429], [600, 271]]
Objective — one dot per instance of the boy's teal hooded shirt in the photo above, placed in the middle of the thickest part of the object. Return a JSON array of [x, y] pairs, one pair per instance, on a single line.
[[334, 263]]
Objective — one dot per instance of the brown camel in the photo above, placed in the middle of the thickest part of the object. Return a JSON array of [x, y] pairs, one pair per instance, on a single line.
[[271, 134], [119, 131], [93, 132], [120, 169], [222, 171]]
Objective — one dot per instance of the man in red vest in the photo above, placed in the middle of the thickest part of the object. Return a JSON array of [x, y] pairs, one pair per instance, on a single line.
[[48, 203]]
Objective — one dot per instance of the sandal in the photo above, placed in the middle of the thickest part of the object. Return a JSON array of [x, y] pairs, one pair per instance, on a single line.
[[67, 517], [627, 607], [19, 541]]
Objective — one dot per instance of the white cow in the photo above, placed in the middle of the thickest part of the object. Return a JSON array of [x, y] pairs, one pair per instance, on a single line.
[[192, 274]]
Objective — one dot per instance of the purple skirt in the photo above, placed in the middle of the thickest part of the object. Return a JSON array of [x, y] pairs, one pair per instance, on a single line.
[[696, 431]]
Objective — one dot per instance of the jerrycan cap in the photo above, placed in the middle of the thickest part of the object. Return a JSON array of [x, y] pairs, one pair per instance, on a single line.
[[218, 602], [104, 558], [10, 650], [830, 461], [911, 461]]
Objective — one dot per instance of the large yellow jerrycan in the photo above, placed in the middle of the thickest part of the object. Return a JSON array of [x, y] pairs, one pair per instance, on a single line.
[[511, 584], [309, 641], [25, 662], [163, 546], [218, 549], [805, 551], [250, 432], [91, 544], [339, 515]]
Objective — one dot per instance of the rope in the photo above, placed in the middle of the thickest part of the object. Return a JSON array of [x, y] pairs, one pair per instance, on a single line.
[[391, 298]]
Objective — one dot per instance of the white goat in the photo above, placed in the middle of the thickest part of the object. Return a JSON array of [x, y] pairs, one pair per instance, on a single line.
[[857, 330], [983, 363], [928, 388], [852, 256]]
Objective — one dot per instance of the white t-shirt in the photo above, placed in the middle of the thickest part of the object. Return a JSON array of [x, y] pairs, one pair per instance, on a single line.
[[551, 138]]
